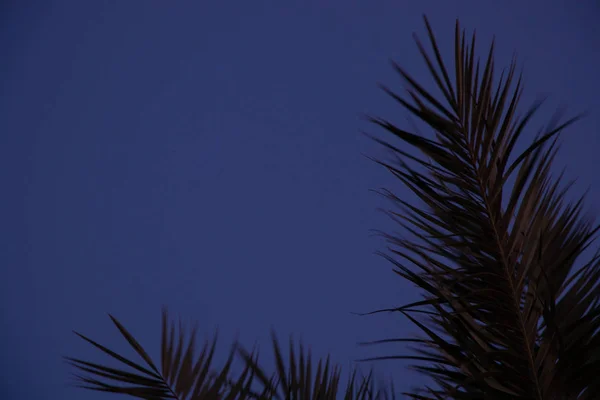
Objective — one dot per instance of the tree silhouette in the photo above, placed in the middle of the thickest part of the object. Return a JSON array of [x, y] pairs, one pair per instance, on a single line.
[[505, 313]]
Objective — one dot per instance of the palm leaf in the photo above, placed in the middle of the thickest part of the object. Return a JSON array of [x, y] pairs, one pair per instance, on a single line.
[[298, 381], [183, 375], [510, 316]]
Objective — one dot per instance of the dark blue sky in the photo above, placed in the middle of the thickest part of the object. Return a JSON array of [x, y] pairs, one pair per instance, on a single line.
[[209, 158]]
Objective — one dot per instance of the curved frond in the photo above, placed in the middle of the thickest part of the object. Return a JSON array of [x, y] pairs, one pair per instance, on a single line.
[[511, 317], [183, 374], [300, 380]]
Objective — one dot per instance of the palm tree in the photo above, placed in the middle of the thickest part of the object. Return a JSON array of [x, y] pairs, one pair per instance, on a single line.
[[505, 313]]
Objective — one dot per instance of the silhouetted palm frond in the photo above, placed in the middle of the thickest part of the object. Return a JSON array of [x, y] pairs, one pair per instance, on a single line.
[[510, 315], [298, 381], [182, 375]]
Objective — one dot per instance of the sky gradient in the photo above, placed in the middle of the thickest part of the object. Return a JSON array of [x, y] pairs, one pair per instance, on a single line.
[[207, 156]]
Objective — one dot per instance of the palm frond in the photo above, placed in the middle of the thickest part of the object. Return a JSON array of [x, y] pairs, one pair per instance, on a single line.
[[510, 315], [300, 381], [183, 375]]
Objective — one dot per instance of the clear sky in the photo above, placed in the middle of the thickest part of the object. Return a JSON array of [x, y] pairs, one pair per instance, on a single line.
[[206, 155]]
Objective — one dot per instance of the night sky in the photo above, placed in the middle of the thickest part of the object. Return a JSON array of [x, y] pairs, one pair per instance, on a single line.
[[209, 158]]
